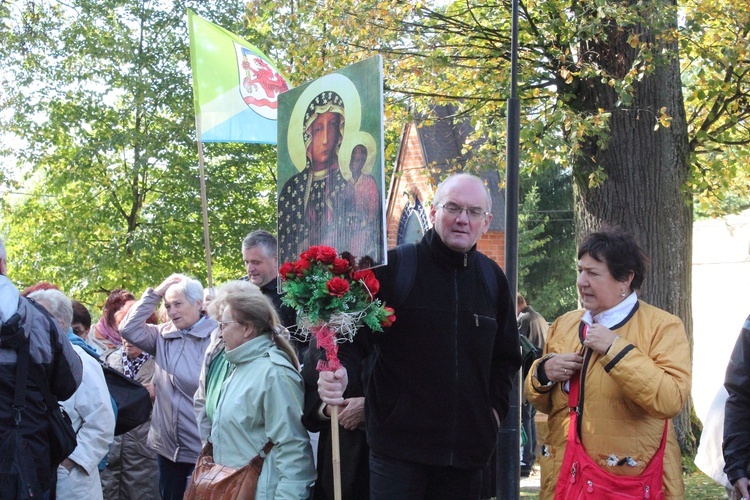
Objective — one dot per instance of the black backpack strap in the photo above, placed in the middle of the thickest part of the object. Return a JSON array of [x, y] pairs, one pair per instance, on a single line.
[[22, 373], [488, 276], [406, 271], [12, 336], [36, 373]]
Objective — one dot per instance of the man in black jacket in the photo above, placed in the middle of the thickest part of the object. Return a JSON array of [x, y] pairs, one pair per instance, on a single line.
[[48, 347], [736, 445], [442, 374], [262, 266]]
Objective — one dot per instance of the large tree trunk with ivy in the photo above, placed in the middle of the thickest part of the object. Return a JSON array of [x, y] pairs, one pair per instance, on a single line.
[[636, 181]]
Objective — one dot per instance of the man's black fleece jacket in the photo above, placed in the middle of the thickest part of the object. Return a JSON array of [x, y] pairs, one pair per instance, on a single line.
[[447, 361]]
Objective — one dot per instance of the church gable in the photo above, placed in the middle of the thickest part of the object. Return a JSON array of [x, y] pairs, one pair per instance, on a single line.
[[426, 155]]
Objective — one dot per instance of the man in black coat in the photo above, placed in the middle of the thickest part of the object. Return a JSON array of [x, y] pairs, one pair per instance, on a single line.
[[262, 266], [441, 375]]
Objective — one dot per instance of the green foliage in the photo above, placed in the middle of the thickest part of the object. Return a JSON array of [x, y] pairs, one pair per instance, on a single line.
[[714, 45], [548, 282], [530, 244], [100, 93]]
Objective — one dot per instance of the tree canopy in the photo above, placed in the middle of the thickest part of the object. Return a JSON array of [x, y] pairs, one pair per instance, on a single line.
[[100, 94]]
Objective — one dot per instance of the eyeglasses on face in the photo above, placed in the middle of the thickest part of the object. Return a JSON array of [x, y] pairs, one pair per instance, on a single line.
[[222, 324], [473, 213]]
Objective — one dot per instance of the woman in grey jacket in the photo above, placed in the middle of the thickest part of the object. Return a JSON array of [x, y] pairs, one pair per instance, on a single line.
[[178, 346]]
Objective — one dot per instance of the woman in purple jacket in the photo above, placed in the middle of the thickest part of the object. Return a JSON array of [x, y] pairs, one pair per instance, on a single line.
[[179, 346]]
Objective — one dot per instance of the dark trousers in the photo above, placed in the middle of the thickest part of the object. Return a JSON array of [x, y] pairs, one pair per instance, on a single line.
[[173, 478], [528, 412], [392, 479]]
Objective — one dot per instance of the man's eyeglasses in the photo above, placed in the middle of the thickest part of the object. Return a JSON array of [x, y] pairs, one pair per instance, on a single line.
[[474, 213], [222, 324]]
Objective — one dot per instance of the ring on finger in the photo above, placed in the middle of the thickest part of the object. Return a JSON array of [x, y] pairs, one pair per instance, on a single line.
[[565, 371]]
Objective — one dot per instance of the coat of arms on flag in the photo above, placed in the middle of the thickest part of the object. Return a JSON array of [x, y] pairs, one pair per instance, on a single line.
[[260, 84]]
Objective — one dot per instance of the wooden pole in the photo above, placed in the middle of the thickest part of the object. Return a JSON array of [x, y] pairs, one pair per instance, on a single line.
[[204, 205], [336, 452]]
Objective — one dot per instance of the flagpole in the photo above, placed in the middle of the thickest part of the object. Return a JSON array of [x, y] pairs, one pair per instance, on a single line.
[[204, 205]]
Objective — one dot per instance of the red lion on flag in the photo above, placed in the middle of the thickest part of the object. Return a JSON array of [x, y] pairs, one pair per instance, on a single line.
[[264, 76]]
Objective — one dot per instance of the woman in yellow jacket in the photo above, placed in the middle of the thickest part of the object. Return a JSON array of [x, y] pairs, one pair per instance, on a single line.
[[635, 361]]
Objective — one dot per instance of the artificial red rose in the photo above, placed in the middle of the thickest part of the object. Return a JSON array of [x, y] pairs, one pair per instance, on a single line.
[[390, 317], [372, 284], [361, 275], [340, 266], [310, 254], [327, 255], [368, 279], [286, 270], [301, 267], [337, 286]]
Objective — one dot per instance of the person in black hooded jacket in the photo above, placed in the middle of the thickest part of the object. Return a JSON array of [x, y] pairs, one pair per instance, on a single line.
[[736, 445], [442, 374]]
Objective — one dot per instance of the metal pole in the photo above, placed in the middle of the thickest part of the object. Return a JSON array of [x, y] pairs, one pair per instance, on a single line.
[[509, 436]]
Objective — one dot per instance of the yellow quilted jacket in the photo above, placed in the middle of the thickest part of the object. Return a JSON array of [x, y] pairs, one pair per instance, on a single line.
[[628, 393]]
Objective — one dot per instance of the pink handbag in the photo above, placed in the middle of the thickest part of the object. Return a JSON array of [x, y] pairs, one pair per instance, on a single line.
[[582, 478]]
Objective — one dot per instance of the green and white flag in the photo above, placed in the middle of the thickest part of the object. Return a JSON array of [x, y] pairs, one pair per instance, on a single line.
[[235, 86]]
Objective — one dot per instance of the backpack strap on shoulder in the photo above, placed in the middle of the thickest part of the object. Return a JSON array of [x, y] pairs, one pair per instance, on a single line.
[[406, 271], [488, 276]]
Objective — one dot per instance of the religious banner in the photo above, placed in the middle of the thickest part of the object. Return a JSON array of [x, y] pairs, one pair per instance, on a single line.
[[235, 86], [331, 186]]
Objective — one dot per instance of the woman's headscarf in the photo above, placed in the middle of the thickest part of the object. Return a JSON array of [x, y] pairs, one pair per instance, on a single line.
[[323, 103]]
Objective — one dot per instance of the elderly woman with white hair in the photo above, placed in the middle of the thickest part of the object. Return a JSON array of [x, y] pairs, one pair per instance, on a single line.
[[90, 411], [178, 346]]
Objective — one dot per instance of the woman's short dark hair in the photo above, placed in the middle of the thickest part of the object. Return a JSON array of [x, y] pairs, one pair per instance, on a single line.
[[620, 252]]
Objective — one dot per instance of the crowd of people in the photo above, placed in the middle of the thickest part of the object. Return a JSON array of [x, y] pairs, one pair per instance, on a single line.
[[420, 404]]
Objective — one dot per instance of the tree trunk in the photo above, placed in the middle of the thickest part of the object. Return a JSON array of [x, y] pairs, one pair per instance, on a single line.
[[645, 172]]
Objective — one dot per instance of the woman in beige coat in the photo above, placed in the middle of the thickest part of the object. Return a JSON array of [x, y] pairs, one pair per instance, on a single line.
[[635, 366]]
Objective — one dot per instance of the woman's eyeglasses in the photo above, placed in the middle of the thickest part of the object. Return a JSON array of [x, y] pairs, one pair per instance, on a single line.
[[222, 324]]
